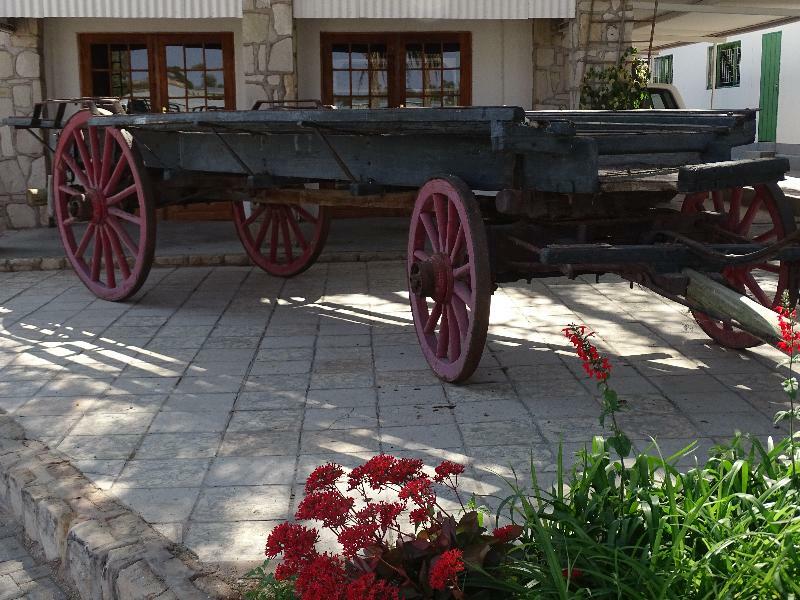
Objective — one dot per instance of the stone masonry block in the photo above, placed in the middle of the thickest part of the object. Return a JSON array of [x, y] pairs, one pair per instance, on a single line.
[[281, 57], [30, 496], [255, 27], [88, 544], [6, 65], [138, 582], [116, 561], [21, 216], [53, 520], [27, 64], [283, 22]]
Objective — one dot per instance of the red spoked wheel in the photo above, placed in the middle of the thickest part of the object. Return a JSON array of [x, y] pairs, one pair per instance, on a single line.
[[762, 215], [103, 208], [449, 278], [282, 239]]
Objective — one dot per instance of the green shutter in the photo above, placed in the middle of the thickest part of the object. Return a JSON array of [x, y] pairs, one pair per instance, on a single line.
[[770, 86]]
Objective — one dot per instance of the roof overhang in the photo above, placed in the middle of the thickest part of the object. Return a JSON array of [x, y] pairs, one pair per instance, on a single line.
[[123, 9], [681, 22], [434, 9]]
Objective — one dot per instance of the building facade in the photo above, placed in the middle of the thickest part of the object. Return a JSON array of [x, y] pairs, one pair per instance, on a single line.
[[757, 69], [196, 55]]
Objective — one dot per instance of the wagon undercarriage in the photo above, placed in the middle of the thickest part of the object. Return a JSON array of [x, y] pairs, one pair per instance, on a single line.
[[494, 194]]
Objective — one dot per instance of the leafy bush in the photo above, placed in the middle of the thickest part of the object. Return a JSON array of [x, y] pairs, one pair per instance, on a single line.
[[619, 87]]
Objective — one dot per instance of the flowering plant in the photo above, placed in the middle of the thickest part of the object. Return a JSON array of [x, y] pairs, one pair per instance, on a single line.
[[790, 344], [380, 560]]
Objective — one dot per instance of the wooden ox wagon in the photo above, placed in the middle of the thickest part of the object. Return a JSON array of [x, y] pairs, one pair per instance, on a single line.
[[649, 195]]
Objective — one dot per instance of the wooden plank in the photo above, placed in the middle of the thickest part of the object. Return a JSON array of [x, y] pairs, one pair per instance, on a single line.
[[732, 173], [339, 198], [720, 300]]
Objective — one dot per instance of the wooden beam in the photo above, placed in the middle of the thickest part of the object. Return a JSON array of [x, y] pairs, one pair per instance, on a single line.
[[717, 299], [755, 9], [336, 198]]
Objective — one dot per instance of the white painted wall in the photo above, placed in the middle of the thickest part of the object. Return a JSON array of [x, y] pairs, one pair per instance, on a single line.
[[689, 76], [61, 60], [502, 63]]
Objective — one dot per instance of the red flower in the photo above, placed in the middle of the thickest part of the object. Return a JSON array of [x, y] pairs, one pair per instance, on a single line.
[[296, 543], [595, 365], [376, 472], [366, 588], [323, 477], [323, 578], [357, 537], [383, 513], [448, 469], [791, 338], [419, 516], [445, 569], [508, 533], [419, 491], [405, 469], [330, 507], [571, 573]]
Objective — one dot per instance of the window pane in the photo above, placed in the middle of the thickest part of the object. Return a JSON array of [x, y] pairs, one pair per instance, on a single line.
[[377, 56], [433, 80], [215, 83], [195, 83], [450, 101], [360, 81], [213, 56], [120, 84], [194, 57], [341, 56], [176, 105], [414, 81], [176, 82], [197, 104], [341, 102], [413, 102], [451, 57], [381, 102], [341, 83], [452, 81], [101, 83], [140, 84], [218, 104], [413, 56], [358, 56], [379, 83], [99, 53], [175, 57], [433, 56], [434, 100], [139, 57], [360, 102], [120, 58]]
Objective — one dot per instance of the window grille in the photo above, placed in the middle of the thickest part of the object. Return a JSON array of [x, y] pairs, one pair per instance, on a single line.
[[729, 57], [662, 69]]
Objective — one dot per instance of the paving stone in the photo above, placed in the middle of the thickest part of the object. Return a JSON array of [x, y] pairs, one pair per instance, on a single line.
[[230, 542], [234, 471], [417, 414], [265, 420], [242, 503], [416, 437], [179, 445], [352, 417], [157, 505], [168, 473], [199, 402], [104, 423], [181, 422], [278, 443], [431, 395], [271, 400], [344, 441], [341, 398]]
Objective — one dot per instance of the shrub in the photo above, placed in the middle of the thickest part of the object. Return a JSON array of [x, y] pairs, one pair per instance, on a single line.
[[619, 87]]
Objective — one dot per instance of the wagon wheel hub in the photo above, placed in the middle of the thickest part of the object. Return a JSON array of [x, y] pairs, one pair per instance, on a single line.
[[96, 200], [80, 208], [433, 278]]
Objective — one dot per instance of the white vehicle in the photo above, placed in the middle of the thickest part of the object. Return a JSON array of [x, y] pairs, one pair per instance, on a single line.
[[665, 95]]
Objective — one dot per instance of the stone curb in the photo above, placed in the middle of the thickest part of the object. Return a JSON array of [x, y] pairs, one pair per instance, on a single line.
[[106, 551], [8, 265]]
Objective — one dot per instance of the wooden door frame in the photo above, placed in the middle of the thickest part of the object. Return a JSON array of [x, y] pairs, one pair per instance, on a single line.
[[396, 63], [156, 59]]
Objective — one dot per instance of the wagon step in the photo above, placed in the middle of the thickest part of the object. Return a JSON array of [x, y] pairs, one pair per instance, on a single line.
[[663, 258]]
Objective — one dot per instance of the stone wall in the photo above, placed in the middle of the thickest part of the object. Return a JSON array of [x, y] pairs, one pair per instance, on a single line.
[[564, 49], [22, 164], [269, 53]]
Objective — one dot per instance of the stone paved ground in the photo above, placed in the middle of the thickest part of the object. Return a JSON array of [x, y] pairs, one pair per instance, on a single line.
[[22, 575], [205, 403]]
